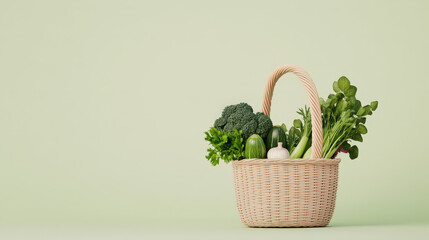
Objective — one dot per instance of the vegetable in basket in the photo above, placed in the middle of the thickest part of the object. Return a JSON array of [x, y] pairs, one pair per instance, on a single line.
[[343, 118], [278, 152], [231, 131], [305, 132], [226, 146], [241, 117], [255, 147], [277, 135]]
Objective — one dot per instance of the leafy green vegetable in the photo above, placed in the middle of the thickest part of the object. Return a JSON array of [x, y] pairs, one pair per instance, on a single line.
[[305, 130], [225, 146], [353, 152], [336, 87], [361, 129], [343, 84], [343, 118], [293, 136], [374, 105], [283, 126], [336, 133]]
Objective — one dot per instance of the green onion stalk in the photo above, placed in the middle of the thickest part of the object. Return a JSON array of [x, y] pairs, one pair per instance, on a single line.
[[299, 150]]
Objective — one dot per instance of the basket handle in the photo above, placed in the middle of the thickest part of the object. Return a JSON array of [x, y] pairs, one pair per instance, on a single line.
[[313, 98]]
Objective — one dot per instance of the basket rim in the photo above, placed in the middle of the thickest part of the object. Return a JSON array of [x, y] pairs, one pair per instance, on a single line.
[[256, 161]]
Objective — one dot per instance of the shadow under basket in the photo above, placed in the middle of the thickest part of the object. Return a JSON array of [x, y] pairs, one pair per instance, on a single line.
[[286, 192]]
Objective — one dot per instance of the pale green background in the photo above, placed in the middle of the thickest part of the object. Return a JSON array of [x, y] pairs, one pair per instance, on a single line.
[[103, 105]]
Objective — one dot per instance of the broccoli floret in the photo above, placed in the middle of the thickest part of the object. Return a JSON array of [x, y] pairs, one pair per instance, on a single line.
[[241, 117], [258, 114], [229, 128], [244, 107], [227, 111], [247, 117], [264, 125], [249, 129], [234, 118], [220, 123]]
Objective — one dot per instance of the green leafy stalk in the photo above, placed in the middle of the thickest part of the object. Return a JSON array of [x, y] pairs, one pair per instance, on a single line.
[[334, 137], [344, 119], [298, 151], [293, 136], [307, 154]]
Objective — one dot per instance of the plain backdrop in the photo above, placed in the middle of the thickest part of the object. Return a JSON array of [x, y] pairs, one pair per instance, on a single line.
[[103, 104]]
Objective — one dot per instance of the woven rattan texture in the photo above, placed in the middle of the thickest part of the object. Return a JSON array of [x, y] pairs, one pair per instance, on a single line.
[[286, 193], [313, 100]]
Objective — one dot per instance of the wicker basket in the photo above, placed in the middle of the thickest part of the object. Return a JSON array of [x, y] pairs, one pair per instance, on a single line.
[[288, 192]]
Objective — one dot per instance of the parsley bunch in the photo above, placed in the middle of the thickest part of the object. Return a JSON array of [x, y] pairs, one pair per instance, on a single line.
[[226, 146]]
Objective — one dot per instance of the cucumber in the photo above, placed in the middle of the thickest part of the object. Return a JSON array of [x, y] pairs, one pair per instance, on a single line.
[[255, 147], [276, 135]]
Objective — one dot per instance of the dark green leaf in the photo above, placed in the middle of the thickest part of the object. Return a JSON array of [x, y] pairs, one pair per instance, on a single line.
[[361, 112], [284, 127], [343, 84], [353, 152], [328, 103], [356, 105], [362, 129], [357, 137], [368, 110], [297, 123], [341, 105], [351, 91], [374, 105], [339, 96], [361, 120], [335, 87], [350, 99], [345, 146]]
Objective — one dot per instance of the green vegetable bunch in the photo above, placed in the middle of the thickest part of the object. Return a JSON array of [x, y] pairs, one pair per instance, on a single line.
[[232, 129], [343, 119], [299, 133], [241, 117], [226, 146], [304, 130]]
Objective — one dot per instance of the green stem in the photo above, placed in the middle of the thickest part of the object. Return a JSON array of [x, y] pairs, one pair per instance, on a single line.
[[307, 154], [299, 149]]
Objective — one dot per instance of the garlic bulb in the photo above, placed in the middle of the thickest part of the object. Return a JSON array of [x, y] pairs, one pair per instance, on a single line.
[[278, 152]]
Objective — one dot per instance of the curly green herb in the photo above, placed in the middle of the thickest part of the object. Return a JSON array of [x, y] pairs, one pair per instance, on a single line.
[[225, 146]]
